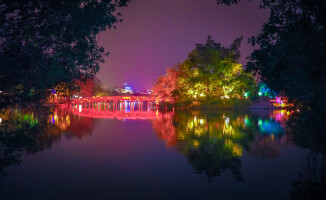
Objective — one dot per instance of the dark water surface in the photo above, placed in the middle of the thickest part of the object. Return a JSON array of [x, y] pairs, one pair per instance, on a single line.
[[104, 154]]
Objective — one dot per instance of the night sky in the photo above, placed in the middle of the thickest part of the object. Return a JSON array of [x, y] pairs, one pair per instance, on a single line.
[[156, 34]]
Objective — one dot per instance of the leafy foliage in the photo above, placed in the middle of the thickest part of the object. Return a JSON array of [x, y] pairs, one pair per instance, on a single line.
[[265, 91], [292, 52], [167, 85], [90, 87], [44, 43], [210, 74]]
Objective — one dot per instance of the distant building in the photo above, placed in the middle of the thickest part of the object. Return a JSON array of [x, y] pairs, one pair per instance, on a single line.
[[146, 92], [125, 89]]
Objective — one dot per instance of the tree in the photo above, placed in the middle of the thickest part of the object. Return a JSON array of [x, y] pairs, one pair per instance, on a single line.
[[86, 88], [166, 86], [212, 73], [54, 41], [64, 90], [90, 87], [99, 89], [292, 53]]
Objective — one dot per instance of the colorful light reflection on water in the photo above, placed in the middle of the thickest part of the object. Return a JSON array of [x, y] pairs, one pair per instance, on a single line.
[[201, 151]]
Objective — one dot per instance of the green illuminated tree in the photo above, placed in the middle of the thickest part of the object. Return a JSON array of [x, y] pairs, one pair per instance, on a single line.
[[211, 73]]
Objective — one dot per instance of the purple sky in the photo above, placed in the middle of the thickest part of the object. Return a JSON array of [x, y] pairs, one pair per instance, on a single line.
[[156, 34]]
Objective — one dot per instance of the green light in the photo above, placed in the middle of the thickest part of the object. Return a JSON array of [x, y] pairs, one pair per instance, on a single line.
[[260, 122], [246, 94], [260, 93]]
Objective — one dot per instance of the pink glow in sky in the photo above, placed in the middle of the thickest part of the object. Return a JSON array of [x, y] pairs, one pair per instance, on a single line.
[[156, 34]]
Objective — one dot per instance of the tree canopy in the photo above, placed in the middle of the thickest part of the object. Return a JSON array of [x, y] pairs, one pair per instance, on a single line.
[[44, 43], [166, 85], [292, 51], [211, 73]]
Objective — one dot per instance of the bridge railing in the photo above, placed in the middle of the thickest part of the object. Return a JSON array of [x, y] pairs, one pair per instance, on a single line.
[[121, 98]]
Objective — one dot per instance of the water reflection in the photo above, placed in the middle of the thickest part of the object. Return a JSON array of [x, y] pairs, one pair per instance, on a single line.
[[213, 142], [311, 181], [27, 131], [72, 125], [121, 110], [20, 133]]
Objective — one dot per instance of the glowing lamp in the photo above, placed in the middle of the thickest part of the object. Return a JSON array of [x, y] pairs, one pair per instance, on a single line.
[[246, 94], [260, 93]]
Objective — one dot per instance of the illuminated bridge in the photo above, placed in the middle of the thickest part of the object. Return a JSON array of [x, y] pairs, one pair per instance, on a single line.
[[121, 115], [120, 102]]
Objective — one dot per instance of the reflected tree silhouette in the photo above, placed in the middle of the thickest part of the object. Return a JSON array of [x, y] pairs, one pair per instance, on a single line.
[[27, 131], [214, 141], [211, 142], [165, 129], [19, 134], [211, 157], [309, 133], [311, 182]]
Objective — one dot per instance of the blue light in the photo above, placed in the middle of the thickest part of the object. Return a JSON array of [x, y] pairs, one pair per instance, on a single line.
[[269, 126], [127, 87]]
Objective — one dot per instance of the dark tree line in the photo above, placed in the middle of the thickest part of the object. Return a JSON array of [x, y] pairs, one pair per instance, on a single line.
[[291, 57], [43, 43]]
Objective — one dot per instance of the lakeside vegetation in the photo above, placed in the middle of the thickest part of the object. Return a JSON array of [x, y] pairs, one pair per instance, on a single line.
[[211, 76], [49, 47], [46, 43], [58, 46], [290, 51]]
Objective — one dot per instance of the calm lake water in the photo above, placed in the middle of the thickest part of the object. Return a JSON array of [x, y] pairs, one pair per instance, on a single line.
[[102, 153]]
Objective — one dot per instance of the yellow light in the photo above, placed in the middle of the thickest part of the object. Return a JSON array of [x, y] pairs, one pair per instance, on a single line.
[[201, 121], [190, 125], [202, 95], [195, 96], [195, 143], [237, 150], [272, 136], [282, 112]]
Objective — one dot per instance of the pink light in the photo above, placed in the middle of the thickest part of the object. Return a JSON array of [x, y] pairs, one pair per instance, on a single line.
[[278, 99]]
